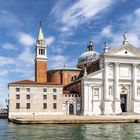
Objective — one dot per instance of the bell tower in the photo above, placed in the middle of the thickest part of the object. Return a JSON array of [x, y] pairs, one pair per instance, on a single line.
[[41, 58]]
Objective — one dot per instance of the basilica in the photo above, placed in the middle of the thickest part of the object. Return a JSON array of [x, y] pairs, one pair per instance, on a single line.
[[102, 84]]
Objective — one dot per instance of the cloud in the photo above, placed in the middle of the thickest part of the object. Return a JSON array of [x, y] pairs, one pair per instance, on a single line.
[[4, 61], [61, 45], [26, 39], [24, 65], [107, 31], [134, 39], [57, 49], [9, 20], [26, 56], [8, 46], [3, 91], [3, 72], [21, 65], [129, 24], [49, 40], [79, 12], [65, 42], [58, 61]]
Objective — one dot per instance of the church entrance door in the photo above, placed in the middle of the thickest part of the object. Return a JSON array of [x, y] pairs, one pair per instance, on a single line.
[[71, 109], [123, 102]]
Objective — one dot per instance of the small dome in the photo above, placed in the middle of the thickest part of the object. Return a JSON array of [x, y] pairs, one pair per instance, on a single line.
[[87, 57]]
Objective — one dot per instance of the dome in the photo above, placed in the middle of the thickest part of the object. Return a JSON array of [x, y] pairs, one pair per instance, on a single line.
[[87, 57]]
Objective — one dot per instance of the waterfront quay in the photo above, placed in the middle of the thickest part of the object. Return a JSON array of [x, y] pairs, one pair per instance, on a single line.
[[123, 118]]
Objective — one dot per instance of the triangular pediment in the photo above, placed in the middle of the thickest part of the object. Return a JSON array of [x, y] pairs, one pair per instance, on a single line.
[[125, 50]]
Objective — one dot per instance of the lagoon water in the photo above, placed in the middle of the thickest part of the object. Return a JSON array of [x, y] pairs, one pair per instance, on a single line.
[[11, 131]]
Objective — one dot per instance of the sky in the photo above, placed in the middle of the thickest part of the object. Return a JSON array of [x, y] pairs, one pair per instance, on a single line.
[[68, 26]]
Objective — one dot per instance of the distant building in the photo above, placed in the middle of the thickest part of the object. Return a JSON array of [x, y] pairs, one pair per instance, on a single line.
[[44, 96], [107, 83]]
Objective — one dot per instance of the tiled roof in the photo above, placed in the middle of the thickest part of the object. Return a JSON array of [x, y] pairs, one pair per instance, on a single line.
[[26, 82], [72, 83]]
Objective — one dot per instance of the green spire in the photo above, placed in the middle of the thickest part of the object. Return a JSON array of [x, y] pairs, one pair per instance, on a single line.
[[40, 35]]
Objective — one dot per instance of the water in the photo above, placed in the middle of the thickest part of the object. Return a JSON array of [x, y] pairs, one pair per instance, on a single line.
[[10, 131]]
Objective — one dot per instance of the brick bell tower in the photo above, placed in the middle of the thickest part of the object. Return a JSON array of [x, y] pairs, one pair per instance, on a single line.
[[41, 58]]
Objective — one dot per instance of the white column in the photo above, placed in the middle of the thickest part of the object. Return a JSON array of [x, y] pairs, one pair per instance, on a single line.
[[107, 102], [67, 108], [86, 99], [37, 53], [105, 76], [75, 108], [116, 82], [134, 77], [116, 105], [90, 99]]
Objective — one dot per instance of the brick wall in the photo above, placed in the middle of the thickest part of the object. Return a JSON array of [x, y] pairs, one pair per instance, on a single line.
[[62, 76], [40, 71]]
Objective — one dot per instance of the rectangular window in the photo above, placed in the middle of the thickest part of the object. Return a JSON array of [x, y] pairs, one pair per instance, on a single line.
[[17, 105], [28, 96], [27, 89], [39, 51], [17, 96], [54, 90], [42, 51], [28, 105], [54, 97], [44, 96], [45, 105], [44, 90], [17, 89], [54, 105]]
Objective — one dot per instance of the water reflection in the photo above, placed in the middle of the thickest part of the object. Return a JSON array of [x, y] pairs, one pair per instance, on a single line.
[[10, 131]]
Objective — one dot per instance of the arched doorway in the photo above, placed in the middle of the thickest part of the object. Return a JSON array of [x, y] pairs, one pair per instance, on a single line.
[[71, 109]]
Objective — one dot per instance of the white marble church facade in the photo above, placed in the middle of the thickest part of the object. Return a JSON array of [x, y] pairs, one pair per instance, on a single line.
[[115, 87], [110, 84]]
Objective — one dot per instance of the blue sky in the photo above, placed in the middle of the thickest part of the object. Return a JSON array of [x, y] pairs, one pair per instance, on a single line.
[[67, 25]]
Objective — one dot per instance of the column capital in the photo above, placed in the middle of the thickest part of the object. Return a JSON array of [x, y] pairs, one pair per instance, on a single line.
[[117, 63], [106, 63], [134, 65]]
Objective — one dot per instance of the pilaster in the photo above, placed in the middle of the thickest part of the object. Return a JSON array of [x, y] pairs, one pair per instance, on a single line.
[[134, 88], [86, 99], [107, 99], [105, 78], [134, 77], [116, 105]]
